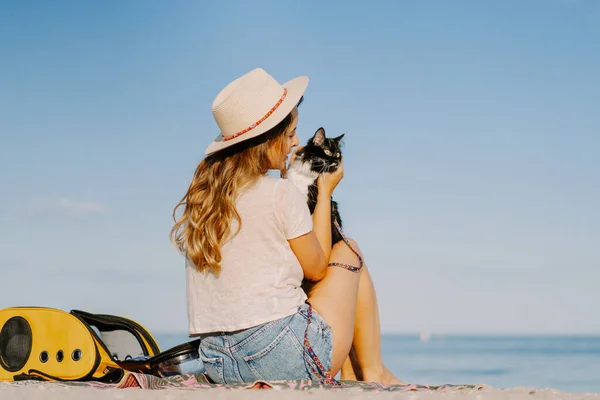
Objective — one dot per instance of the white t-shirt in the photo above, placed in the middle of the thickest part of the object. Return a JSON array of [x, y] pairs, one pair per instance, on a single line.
[[260, 275]]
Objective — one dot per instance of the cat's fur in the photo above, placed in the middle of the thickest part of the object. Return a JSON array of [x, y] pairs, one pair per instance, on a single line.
[[320, 155]]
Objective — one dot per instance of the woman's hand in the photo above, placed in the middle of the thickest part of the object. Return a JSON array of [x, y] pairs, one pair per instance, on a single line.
[[327, 182]]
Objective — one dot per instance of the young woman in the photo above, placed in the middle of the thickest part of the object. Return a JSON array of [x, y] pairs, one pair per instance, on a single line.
[[249, 240]]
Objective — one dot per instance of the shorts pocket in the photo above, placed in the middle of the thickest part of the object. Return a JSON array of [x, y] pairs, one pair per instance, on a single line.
[[282, 359], [214, 368]]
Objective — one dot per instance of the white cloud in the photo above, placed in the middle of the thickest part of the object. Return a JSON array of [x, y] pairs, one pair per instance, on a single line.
[[72, 208]]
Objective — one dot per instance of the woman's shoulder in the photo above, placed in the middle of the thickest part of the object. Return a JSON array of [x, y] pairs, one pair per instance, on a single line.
[[265, 186], [275, 187], [275, 183]]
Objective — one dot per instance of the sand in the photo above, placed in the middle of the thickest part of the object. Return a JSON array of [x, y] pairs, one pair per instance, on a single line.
[[49, 391]]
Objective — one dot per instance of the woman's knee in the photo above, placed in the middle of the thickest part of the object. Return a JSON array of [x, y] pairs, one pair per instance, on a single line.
[[346, 250], [354, 245]]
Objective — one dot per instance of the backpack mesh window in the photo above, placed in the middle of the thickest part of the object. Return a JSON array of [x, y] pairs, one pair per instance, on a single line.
[[15, 344]]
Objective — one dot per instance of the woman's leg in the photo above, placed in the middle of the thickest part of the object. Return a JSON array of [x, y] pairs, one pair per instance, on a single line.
[[365, 357], [348, 303], [334, 297], [351, 368]]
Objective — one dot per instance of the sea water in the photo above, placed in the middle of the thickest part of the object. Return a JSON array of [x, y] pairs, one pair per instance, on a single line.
[[569, 364]]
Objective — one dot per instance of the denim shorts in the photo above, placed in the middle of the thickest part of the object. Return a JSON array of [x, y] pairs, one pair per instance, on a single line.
[[271, 351]]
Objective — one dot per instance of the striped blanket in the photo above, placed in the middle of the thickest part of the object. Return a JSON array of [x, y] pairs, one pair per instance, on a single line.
[[135, 380]]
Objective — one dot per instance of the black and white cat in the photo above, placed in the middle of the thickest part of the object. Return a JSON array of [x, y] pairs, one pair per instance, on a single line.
[[320, 155]]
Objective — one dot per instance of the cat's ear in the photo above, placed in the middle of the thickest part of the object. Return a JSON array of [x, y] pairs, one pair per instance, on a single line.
[[319, 138], [339, 138]]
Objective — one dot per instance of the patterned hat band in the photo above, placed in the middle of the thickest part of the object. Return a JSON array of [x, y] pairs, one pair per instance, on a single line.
[[260, 121]]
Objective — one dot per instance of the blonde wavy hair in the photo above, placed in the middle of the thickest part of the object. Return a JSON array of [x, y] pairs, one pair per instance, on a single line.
[[209, 203]]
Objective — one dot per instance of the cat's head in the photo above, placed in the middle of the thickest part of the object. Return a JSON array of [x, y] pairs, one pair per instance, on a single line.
[[324, 154]]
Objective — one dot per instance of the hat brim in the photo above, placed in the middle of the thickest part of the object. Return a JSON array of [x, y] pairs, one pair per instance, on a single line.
[[295, 88]]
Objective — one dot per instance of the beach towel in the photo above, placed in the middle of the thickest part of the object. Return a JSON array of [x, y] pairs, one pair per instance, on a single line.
[[200, 381]]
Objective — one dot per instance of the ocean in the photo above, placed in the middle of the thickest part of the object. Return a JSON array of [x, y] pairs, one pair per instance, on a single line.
[[566, 363]]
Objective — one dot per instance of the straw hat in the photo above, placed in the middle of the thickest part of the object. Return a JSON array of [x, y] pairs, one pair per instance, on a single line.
[[251, 105]]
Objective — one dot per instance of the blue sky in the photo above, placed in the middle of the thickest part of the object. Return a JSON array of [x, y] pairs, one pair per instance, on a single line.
[[471, 151]]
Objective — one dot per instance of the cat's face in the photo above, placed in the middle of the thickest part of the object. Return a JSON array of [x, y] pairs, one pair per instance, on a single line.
[[323, 154]]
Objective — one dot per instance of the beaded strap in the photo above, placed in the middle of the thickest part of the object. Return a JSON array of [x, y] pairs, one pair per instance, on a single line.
[[324, 377], [319, 371], [342, 265]]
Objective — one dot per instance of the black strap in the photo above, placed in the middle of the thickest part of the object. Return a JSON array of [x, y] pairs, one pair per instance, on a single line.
[[27, 377], [112, 376]]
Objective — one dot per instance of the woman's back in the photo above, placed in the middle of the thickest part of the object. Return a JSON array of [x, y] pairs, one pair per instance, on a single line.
[[244, 288], [260, 275]]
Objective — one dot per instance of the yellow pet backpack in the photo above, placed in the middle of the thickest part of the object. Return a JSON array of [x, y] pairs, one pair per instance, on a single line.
[[50, 344]]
